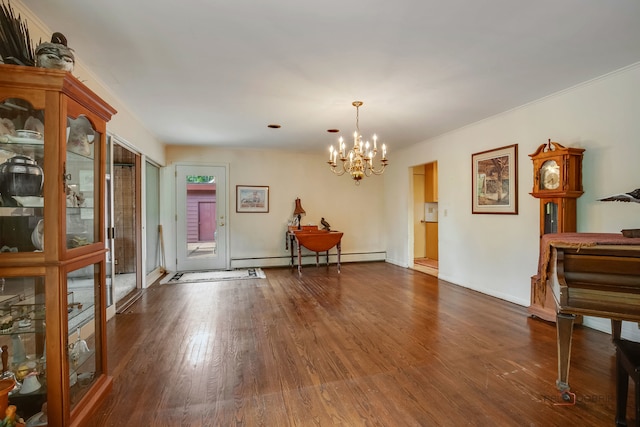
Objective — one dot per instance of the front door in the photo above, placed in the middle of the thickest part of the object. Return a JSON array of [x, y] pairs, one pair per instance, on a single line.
[[201, 216]]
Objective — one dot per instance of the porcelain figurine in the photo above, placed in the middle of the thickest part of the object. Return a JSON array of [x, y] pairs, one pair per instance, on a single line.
[[80, 136], [34, 124], [10, 417], [7, 127], [631, 196], [74, 198], [55, 54], [37, 236], [30, 383], [325, 225]]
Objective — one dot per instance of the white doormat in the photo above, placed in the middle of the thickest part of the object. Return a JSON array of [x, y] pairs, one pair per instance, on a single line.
[[213, 275]]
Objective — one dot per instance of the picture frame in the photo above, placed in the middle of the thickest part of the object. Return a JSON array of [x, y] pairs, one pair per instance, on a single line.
[[494, 175], [252, 198]]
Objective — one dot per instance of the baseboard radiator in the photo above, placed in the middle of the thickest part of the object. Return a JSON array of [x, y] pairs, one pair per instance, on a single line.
[[307, 259]]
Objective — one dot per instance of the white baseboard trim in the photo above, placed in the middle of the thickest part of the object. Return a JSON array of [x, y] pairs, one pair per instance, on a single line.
[[307, 259], [630, 330], [153, 276], [489, 292], [396, 262]]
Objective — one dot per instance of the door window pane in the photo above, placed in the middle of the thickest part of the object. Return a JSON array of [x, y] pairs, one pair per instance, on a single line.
[[201, 223]]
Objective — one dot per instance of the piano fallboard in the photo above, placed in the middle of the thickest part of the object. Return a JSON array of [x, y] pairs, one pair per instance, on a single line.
[[601, 281]]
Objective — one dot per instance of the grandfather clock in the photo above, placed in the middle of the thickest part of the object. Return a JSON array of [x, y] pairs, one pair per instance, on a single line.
[[557, 182]]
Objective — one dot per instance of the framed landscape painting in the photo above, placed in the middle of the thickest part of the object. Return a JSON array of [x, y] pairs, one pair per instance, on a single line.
[[495, 181], [252, 198]]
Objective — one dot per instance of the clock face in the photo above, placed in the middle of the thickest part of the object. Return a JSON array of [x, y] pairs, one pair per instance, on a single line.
[[549, 175]]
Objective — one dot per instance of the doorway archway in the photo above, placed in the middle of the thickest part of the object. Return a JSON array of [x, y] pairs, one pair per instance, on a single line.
[[425, 218]]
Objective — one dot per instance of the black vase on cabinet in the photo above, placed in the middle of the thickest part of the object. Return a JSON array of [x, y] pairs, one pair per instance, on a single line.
[[20, 176]]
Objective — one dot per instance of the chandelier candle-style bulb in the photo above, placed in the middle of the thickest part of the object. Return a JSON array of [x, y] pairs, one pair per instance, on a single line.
[[358, 161]]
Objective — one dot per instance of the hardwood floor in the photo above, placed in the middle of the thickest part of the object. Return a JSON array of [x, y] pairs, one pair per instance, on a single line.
[[427, 262], [376, 345], [426, 265]]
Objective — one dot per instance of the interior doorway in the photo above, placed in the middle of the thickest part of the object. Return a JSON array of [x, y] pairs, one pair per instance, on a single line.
[[425, 218]]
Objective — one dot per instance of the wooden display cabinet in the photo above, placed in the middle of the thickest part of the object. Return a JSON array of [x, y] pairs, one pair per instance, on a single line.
[[52, 243]]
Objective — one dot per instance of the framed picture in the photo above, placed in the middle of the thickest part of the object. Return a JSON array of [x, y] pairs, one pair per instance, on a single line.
[[494, 175], [252, 198]]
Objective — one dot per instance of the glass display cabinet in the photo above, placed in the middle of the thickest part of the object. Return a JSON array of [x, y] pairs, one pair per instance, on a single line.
[[52, 244]]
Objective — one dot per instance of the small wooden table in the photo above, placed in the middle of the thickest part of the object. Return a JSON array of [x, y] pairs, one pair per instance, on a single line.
[[315, 240]]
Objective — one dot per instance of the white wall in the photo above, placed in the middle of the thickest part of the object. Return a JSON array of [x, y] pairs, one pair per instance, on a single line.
[[497, 254], [124, 124], [354, 210]]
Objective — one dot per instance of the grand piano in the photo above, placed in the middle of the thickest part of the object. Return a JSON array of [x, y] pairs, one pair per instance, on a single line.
[[590, 274]]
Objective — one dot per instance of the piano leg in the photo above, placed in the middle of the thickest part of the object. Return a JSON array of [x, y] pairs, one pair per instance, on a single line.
[[564, 329]]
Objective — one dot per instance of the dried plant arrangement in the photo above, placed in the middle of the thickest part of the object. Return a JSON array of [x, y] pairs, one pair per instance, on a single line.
[[15, 42]]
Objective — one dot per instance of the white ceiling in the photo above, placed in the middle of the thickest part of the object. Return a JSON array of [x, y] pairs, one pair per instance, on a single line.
[[218, 72]]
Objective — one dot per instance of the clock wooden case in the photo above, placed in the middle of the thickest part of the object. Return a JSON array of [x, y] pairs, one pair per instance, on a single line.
[[557, 182]]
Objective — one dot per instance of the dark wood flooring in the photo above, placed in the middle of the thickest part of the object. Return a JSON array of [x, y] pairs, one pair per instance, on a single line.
[[377, 345]]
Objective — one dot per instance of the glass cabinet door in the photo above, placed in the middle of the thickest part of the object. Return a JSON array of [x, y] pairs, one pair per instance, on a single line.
[[82, 167], [83, 328], [22, 341], [21, 176]]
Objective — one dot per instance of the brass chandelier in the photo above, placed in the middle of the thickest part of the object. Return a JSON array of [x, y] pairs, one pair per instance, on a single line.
[[358, 161]]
